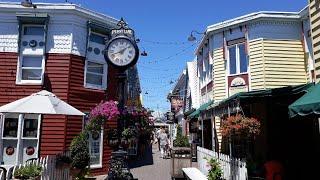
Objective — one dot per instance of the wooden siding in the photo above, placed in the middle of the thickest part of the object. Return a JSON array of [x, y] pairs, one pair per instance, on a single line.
[[284, 63], [257, 64], [219, 75], [85, 99], [314, 10], [52, 129]]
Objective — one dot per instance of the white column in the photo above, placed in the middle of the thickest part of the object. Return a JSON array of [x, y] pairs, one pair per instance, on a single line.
[[19, 144]]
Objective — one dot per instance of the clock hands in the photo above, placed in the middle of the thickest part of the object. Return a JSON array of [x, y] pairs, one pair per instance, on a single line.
[[121, 51]]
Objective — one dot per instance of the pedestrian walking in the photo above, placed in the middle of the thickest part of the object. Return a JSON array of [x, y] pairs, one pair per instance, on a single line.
[[163, 143], [157, 136]]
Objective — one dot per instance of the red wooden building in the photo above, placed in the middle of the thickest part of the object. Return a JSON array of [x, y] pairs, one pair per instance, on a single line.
[[59, 48]]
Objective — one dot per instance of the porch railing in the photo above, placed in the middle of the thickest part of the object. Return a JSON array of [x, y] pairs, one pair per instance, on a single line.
[[233, 169], [49, 170]]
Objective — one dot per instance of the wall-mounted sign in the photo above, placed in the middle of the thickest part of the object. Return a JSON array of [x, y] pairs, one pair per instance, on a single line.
[[30, 150], [238, 83], [122, 50], [176, 104]]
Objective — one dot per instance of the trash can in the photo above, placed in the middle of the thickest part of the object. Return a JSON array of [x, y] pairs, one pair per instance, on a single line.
[[181, 158]]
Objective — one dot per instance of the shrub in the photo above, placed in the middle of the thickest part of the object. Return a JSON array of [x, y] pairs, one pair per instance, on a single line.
[[181, 141], [31, 171], [215, 171], [80, 151]]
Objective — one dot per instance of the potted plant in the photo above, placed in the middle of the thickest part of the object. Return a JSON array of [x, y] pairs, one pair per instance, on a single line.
[[80, 155], [240, 125], [215, 171], [32, 172]]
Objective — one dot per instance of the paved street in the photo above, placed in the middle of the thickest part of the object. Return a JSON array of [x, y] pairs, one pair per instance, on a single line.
[[151, 167]]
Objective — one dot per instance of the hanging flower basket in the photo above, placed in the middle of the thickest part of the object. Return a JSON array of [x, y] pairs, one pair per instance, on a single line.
[[240, 126]]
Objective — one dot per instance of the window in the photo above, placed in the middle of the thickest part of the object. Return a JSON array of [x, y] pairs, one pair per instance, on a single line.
[[97, 38], [10, 128], [95, 75], [33, 30], [238, 61], [30, 128], [31, 69], [95, 145]]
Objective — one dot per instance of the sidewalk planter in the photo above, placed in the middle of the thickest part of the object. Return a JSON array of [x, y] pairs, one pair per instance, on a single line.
[[31, 171], [181, 158]]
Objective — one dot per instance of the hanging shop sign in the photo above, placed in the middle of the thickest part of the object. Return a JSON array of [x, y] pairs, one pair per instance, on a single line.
[[238, 83], [122, 50], [176, 104]]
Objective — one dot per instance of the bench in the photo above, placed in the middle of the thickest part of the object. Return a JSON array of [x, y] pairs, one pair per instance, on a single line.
[[194, 174]]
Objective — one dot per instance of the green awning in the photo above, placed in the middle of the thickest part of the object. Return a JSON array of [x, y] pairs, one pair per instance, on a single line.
[[195, 114], [247, 96], [203, 107], [189, 112], [308, 104]]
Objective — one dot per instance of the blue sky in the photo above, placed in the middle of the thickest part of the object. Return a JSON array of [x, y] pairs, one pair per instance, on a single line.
[[163, 27]]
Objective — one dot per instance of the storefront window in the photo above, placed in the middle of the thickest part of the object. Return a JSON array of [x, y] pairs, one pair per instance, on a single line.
[[30, 128], [95, 148], [95, 145], [10, 127]]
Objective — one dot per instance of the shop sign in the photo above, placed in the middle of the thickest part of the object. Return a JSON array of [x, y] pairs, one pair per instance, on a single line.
[[238, 84]]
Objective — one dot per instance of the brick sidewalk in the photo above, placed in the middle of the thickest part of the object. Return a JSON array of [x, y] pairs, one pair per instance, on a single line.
[[152, 167]]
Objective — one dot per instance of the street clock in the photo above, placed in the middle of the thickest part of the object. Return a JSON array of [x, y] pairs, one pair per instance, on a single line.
[[122, 50]]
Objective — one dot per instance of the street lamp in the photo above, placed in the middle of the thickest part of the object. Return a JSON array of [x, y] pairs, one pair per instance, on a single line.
[[28, 3], [192, 38]]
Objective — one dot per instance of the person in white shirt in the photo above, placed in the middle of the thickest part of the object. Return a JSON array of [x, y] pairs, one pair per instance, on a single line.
[[163, 143], [157, 136]]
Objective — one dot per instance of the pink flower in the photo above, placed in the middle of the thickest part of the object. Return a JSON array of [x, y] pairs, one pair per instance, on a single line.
[[107, 110]]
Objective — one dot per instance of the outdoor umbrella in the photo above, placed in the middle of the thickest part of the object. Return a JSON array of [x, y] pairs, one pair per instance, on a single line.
[[308, 104], [42, 102]]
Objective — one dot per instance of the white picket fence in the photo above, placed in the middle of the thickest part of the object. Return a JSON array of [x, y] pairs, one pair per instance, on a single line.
[[233, 169], [49, 170]]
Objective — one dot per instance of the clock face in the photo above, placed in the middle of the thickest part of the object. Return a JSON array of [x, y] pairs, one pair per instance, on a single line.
[[121, 51]]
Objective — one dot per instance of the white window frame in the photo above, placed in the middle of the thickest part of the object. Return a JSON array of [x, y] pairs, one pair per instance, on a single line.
[[104, 76], [19, 79], [99, 34], [95, 166], [32, 25], [20, 138], [237, 61]]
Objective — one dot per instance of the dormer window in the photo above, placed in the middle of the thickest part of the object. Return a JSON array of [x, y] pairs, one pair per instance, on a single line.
[[33, 30], [32, 48], [97, 38]]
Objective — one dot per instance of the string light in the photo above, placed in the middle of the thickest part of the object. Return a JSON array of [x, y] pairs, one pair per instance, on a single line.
[[164, 43], [172, 56]]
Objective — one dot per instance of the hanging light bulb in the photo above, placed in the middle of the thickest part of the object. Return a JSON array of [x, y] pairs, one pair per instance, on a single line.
[[144, 53]]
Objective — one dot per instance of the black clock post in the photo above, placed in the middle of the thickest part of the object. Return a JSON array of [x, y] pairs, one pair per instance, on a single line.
[[121, 53]]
